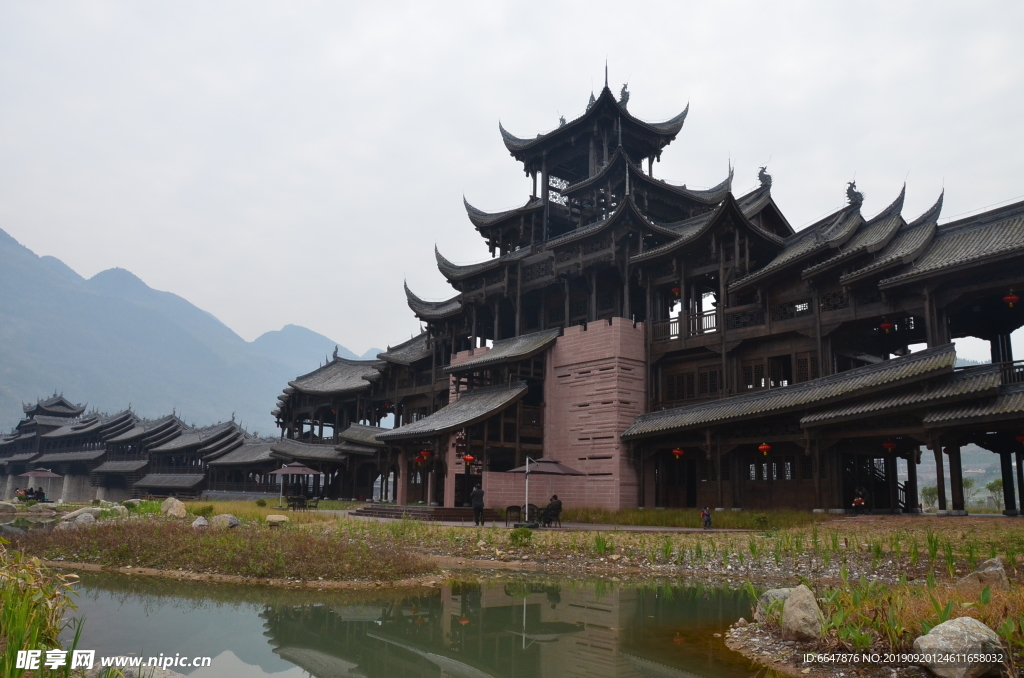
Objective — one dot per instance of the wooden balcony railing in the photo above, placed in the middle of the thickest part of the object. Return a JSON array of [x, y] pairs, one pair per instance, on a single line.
[[703, 323], [1013, 372]]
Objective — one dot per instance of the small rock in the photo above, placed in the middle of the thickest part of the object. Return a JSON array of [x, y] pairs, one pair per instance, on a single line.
[[741, 622], [41, 508], [131, 502], [172, 508], [7, 507], [84, 519], [481, 544], [118, 511], [801, 617], [766, 599], [989, 573], [963, 635], [615, 557], [275, 520], [224, 520], [66, 525], [200, 522]]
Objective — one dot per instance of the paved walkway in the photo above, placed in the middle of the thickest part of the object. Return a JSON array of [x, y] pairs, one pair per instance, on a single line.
[[579, 527]]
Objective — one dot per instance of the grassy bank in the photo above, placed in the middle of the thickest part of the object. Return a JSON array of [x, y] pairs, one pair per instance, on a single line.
[[733, 520], [249, 511], [249, 550]]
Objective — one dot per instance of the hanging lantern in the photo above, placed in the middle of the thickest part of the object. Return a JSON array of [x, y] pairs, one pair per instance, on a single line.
[[426, 454], [765, 448], [1020, 438], [889, 445], [677, 291], [886, 326], [468, 459], [463, 621], [387, 404], [1011, 298], [678, 452]]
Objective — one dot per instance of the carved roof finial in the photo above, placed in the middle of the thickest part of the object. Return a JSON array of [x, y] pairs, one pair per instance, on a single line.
[[335, 351], [561, 121], [606, 73], [855, 197], [764, 177], [590, 104], [624, 95]]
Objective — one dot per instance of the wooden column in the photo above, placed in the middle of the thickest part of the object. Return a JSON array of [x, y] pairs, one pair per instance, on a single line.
[[1020, 477], [956, 478], [1009, 495], [474, 327], [544, 192], [519, 298], [892, 482], [940, 475], [403, 479], [912, 496]]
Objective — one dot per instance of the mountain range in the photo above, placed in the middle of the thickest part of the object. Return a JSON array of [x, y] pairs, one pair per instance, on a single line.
[[112, 341]]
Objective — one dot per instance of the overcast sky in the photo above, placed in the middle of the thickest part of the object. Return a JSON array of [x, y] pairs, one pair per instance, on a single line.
[[292, 162]]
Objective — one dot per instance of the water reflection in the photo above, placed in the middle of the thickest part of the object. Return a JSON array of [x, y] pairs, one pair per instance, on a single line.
[[507, 629]]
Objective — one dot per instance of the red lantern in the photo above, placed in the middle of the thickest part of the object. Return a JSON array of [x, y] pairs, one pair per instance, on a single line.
[[1011, 298], [887, 326], [765, 448], [425, 454], [889, 445], [1020, 438], [387, 404], [468, 459], [677, 291], [678, 452], [463, 621]]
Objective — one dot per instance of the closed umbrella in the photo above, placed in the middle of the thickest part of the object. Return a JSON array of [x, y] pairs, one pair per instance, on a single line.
[[546, 467], [292, 469]]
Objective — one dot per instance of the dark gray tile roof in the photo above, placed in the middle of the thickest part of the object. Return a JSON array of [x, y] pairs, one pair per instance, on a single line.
[[979, 381], [605, 103], [508, 350], [93, 423], [359, 450], [872, 236], [902, 249], [340, 376], [46, 420], [199, 437], [255, 452], [17, 439], [830, 232], [169, 481], [409, 351], [456, 272], [24, 456], [432, 310], [121, 466], [1009, 404], [65, 457], [142, 427], [293, 449], [470, 408], [483, 219], [990, 236], [57, 404], [362, 434], [852, 383]]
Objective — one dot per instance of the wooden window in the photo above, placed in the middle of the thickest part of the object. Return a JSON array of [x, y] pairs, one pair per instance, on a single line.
[[709, 381], [753, 471], [807, 366], [753, 375], [789, 468], [780, 370]]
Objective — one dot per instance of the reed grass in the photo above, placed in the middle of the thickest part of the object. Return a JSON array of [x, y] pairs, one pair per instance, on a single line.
[[745, 520]]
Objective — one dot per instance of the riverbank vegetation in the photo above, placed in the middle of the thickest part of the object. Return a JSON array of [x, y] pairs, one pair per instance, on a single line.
[[247, 551], [727, 520]]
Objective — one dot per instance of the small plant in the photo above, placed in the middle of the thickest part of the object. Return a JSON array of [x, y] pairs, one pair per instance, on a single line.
[[600, 544], [933, 546], [947, 554], [261, 502], [520, 537], [915, 552], [204, 511], [666, 549], [95, 502]]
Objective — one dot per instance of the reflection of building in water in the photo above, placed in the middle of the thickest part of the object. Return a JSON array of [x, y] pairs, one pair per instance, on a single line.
[[518, 630]]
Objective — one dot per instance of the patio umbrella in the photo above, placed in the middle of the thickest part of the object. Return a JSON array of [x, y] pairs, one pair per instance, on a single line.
[[292, 469], [40, 473], [545, 467]]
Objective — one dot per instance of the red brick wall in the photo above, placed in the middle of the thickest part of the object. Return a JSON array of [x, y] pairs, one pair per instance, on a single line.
[[594, 387]]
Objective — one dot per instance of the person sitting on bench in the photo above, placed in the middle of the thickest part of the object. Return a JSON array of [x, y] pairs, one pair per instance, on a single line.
[[552, 512]]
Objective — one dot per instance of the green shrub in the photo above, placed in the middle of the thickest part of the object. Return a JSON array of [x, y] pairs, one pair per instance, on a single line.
[[520, 537], [95, 502], [205, 511], [261, 502]]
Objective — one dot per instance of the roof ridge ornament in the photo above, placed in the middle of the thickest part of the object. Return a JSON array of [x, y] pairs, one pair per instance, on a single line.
[[764, 177], [335, 351], [590, 104], [855, 197], [624, 95]]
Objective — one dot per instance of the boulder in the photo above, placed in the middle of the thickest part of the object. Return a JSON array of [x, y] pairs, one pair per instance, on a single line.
[[66, 525], [84, 519], [956, 636], [766, 599], [7, 507], [38, 508], [275, 520], [172, 508], [88, 510], [200, 522], [118, 511], [801, 617], [131, 502], [990, 573], [224, 520]]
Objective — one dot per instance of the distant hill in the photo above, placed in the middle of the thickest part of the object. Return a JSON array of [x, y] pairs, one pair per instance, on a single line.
[[112, 341]]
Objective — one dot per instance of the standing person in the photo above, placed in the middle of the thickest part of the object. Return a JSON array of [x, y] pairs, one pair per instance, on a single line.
[[476, 500], [705, 517]]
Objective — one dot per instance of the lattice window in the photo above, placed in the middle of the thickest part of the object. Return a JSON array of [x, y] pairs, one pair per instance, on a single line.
[[746, 318], [869, 296], [597, 245], [753, 375], [709, 381], [690, 386], [578, 309], [806, 366], [538, 270], [753, 471], [791, 309], [566, 255], [789, 466], [834, 300]]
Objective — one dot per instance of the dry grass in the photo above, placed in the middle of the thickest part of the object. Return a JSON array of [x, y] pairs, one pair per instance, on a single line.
[[248, 511], [743, 520]]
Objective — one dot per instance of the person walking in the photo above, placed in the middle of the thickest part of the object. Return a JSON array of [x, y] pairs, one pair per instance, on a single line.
[[476, 500]]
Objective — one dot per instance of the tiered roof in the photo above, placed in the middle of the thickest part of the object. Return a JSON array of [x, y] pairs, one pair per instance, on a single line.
[[340, 376], [408, 352], [56, 406], [470, 408]]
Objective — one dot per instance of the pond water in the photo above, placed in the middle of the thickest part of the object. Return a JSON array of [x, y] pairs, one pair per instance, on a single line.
[[505, 628]]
